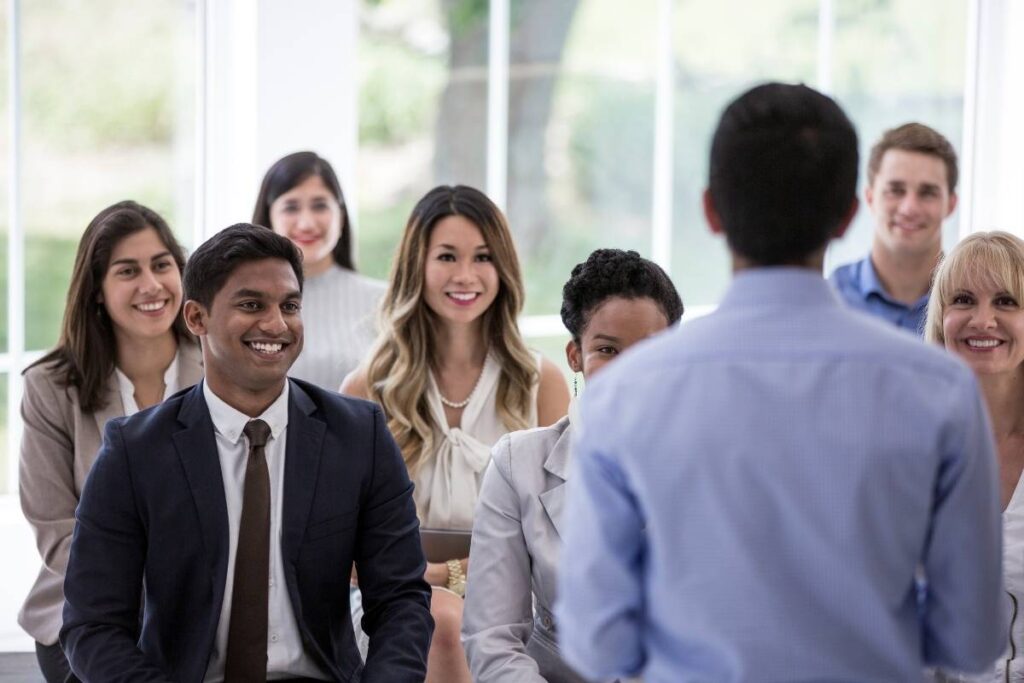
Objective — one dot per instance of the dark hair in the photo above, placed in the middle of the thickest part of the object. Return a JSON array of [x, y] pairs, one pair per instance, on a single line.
[[86, 352], [915, 137], [293, 170], [783, 172], [213, 262], [613, 272]]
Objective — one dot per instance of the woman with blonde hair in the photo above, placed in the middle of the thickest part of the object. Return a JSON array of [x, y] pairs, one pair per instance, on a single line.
[[976, 310], [453, 375]]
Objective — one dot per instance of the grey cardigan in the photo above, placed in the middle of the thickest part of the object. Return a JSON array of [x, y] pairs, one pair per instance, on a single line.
[[58, 446], [514, 560]]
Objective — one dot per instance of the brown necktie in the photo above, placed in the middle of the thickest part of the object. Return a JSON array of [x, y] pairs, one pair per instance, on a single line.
[[246, 659]]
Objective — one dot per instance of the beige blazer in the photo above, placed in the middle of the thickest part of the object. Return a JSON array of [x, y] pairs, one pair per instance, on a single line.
[[508, 630], [58, 446]]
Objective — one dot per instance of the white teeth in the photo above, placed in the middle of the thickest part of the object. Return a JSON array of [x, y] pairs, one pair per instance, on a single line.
[[266, 348], [462, 296], [155, 306], [983, 343]]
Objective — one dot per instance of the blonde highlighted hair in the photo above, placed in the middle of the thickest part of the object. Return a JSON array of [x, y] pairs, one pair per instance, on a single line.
[[406, 349], [982, 260]]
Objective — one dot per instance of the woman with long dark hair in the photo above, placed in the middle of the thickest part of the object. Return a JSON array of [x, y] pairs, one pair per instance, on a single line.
[[123, 347], [301, 198]]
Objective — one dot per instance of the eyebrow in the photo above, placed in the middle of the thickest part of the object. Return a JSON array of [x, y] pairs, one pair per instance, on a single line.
[[607, 337], [132, 261], [454, 248], [258, 294]]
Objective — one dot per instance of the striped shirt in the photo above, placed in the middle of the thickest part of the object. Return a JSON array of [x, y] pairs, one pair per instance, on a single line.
[[339, 309]]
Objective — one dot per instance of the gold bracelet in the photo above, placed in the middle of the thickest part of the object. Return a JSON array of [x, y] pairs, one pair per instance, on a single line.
[[456, 578]]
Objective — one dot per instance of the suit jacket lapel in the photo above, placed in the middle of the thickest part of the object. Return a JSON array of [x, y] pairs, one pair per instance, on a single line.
[[557, 464], [197, 449], [303, 451], [113, 406]]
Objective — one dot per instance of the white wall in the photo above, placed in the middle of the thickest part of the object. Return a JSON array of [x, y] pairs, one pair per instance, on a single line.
[[992, 194], [278, 78]]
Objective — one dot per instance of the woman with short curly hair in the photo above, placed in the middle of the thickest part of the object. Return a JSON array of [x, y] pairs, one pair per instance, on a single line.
[[612, 301]]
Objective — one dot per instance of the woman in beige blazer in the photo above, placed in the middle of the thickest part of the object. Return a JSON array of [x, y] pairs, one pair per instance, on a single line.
[[123, 347], [613, 300]]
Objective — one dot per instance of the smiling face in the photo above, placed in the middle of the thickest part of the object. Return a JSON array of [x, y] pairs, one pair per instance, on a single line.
[[252, 332], [616, 324], [141, 290], [909, 199], [984, 325], [460, 279], [310, 216]]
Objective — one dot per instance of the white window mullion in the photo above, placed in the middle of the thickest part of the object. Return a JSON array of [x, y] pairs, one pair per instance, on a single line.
[[826, 43], [497, 102], [15, 245], [664, 141], [968, 140]]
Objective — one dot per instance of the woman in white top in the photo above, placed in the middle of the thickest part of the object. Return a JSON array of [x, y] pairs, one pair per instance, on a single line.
[[300, 198], [612, 300], [453, 375], [976, 309], [123, 347]]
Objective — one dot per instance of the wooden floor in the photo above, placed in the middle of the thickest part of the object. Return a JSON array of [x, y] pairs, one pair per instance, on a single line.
[[19, 667]]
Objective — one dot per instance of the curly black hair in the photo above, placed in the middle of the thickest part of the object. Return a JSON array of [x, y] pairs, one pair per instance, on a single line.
[[614, 272]]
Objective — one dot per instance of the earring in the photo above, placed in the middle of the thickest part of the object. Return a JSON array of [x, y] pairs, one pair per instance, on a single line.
[[575, 385]]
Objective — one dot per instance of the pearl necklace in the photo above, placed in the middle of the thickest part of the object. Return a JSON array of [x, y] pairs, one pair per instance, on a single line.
[[456, 405]]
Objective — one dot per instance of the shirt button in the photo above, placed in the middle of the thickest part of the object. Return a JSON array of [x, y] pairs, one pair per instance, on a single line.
[[271, 583], [273, 637], [546, 621]]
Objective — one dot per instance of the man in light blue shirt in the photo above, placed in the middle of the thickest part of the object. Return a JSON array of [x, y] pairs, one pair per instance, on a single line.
[[912, 174], [783, 490]]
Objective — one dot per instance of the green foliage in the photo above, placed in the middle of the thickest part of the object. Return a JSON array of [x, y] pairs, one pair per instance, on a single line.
[[465, 16], [97, 73], [380, 231], [48, 264], [398, 92], [610, 145]]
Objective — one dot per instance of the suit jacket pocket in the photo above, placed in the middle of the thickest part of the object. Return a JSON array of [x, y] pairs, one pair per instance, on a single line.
[[332, 525]]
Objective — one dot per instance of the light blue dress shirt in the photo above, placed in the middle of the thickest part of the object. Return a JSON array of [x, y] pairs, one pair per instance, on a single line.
[[757, 495], [859, 286]]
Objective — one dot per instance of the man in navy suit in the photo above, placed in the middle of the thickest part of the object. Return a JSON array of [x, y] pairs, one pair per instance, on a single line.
[[232, 513]]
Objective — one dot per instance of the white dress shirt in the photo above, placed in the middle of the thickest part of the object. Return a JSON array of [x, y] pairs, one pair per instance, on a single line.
[[127, 389], [285, 655]]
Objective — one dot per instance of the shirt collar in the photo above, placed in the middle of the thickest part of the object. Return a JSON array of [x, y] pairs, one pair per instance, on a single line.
[[229, 422], [127, 388], [868, 282], [778, 286]]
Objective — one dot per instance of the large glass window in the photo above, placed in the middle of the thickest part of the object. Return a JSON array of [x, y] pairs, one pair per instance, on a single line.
[[580, 135], [582, 92], [107, 113], [716, 58], [422, 111], [913, 71]]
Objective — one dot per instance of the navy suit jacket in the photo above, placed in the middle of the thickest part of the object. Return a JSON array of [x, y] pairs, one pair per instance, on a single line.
[[152, 522]]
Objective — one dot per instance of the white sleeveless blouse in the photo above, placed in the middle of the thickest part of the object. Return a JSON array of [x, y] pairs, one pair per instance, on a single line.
[[448, 484]]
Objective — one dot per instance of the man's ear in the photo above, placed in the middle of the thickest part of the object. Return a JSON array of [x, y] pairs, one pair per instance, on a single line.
[[847, 220], [573, 356], [953, 201], [195, 317], [711, 213]]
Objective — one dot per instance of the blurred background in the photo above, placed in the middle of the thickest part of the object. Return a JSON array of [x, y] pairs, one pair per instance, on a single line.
[[587, 120]]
